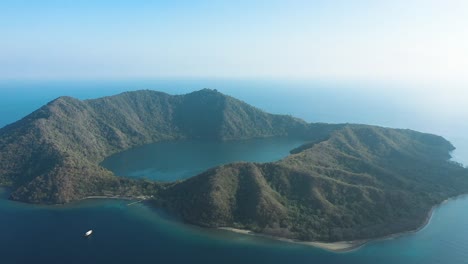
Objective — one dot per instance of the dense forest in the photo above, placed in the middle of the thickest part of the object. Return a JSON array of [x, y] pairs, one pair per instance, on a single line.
[[361, 182]]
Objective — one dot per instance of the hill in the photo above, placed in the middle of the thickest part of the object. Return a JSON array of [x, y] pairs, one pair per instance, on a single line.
[[348, 182], [53, 154], [362, 182]]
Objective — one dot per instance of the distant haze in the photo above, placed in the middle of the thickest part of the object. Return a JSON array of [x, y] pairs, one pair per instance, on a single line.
[[400, 40], [434, 108]]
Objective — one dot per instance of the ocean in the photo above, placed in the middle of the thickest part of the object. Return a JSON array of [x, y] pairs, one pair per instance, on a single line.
[[141, 234]]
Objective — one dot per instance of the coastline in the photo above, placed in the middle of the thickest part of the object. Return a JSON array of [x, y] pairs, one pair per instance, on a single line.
[[336, 247], [4, 190], [107, 197], [343, 246], [130, 198]]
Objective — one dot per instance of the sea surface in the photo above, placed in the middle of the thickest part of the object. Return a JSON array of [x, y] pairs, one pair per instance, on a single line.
[[141, 234]]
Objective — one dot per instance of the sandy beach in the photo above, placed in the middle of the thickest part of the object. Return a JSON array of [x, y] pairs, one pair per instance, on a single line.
[[339, 246]]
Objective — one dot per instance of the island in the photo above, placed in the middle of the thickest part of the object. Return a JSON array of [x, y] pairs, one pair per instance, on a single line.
[[349, 182]]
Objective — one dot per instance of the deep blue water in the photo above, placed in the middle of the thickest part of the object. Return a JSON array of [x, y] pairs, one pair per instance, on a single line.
[[140, 234]]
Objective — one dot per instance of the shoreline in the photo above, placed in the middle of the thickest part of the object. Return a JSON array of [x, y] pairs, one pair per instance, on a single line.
[[344, 246], [132, 200], [107, 197], [335, 247]]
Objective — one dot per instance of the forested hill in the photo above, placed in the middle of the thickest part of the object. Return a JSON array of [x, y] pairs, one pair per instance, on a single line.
[[348, 182], [362, 182], [52, 155]]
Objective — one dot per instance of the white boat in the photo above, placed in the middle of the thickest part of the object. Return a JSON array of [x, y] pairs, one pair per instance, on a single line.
[[87, 234]]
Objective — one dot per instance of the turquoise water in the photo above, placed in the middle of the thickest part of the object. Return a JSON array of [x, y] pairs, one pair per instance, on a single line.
[[140, 234]]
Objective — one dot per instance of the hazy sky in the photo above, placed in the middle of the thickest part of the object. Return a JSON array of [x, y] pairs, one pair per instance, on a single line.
[[397, 40]]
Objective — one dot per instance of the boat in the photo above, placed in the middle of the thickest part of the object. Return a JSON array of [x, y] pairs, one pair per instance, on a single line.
[[87, 234]]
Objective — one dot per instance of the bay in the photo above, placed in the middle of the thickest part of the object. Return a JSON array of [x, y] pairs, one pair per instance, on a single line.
[[176, 160]]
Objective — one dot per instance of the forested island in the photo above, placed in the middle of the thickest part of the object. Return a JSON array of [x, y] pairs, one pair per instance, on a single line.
[[349, 182]]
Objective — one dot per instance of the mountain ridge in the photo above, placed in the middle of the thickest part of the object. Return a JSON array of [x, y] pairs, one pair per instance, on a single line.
[[70, 136], [348, 182], [329, 191]]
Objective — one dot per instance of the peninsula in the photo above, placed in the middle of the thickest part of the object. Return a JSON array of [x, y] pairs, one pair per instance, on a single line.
[[349, 182]]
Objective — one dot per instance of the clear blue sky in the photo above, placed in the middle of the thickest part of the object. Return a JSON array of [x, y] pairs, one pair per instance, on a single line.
[[403, 40]]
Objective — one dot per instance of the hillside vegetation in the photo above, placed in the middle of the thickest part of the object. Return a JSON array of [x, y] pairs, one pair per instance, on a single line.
[[348, 182], [53, 154], [362, 182]]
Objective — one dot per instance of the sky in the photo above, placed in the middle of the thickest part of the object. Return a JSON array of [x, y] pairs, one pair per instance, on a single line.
[[371, 40]]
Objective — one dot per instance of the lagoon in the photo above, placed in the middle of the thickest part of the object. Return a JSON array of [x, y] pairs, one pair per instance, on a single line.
[[176, 160]]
